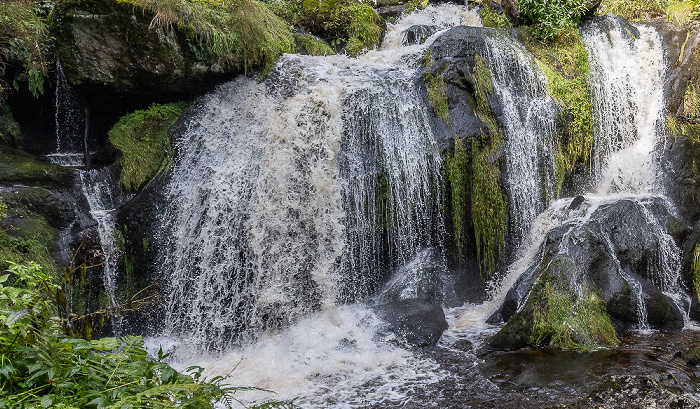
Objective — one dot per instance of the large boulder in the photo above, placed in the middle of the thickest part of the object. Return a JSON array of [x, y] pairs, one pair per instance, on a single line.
[[609, 263], [414, 321], [106, 47]]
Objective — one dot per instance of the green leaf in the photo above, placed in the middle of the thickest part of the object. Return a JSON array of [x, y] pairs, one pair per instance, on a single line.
[[47, 401]]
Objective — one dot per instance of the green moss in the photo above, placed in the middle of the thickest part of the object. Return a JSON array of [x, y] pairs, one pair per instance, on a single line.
[[695, 270], [310, 45], [19, 167], [489, 209], [364, 31], [565, 64], [428, 58], [435, 86], [142, 138], [691, 100], [227, 32], [25, 236], [457, 168], [568, 320], [490, 18]]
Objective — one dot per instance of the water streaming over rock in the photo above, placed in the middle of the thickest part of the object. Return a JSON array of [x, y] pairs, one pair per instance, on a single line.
[[71, 122], [101, 189], [529, 119]]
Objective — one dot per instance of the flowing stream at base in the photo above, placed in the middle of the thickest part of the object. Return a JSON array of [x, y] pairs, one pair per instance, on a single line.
[[282, 314]]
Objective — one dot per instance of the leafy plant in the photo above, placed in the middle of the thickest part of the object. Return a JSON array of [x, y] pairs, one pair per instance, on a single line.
[[549, 18], [24, 41], [40, 367]]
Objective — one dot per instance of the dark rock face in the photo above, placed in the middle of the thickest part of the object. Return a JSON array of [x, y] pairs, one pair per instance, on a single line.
[[621, 252], [453, 57], [418, 34], [415, 321], [105, 46]]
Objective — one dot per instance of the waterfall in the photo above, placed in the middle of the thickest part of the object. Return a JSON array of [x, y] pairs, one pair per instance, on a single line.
[[529, 121], [71, 122], [301, 192], [627, 82], [101, 189]]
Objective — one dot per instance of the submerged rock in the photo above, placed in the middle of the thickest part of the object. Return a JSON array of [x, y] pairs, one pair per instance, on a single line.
[[415, 321], [611, 261]]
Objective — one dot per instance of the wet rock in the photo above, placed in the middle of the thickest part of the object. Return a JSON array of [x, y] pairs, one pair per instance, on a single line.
[[387, 12], [633, 391], [416, 322], [418, 34], [106, 47], [683, 177], [618, 254]]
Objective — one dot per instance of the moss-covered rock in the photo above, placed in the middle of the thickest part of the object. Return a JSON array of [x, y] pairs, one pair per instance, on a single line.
[[17, 167], [592, 279], [124, 47]]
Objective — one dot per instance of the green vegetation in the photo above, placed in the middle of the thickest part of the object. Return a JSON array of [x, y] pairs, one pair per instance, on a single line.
[[24, 42], [695, 270], [225, 31], [142, 137], [489, 18], [10, 133], [350, 23], [457, 168], [565, 63], [688, 120], [435, 86], [679, 12], [567, 320], [550, 18], [41, 367], [308, 44], [489, 209]]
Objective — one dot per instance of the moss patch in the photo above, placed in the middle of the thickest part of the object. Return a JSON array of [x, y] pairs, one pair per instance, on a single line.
[[19, 167], [225, 31], [142, 137], [310, 45], [435, 86], [457, 168], [489, 208], [566, 319], [490, 18], [565, 63]]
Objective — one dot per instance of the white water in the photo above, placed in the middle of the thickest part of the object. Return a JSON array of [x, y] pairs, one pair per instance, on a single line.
[[529, 121], [71, 124], [628, 105], [100, 188]]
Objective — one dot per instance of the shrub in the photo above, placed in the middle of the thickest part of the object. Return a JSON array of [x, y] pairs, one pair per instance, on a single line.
[[142, 137], [23, 41], [633, 10], [40, 367], [549, 18]]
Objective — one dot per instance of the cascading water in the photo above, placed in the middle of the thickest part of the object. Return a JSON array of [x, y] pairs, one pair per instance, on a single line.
[[104, 198], [529, 120], [71, 122]]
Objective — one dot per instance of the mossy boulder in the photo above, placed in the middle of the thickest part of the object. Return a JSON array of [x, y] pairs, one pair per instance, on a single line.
[[595, 276], [20, 168], [110, 47]]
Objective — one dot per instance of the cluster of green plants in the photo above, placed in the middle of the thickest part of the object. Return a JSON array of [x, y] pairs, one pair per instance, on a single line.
[[142, 138], [40, 367], [225, 31], [565, 64], [550, 18], [353, 24], [568, 319], [677, 11], [490, 18], [435, 86], [24, 39]]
